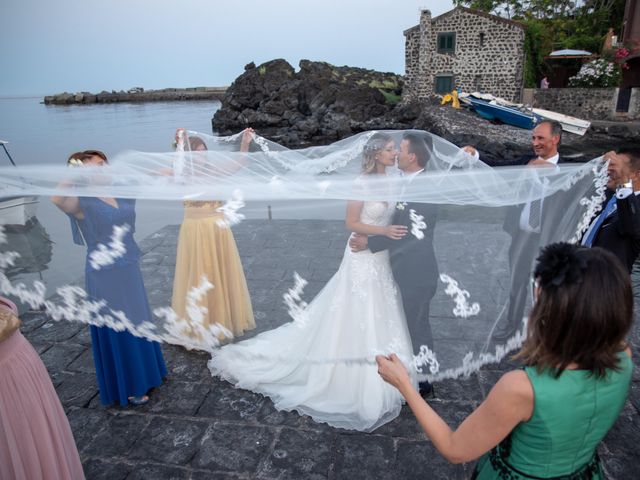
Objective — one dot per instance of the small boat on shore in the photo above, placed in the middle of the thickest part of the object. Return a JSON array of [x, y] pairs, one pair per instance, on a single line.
[[510, 115], [16, 210], [569, 124]]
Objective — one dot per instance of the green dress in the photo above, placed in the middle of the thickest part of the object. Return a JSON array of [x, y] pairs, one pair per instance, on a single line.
[[571, 415]]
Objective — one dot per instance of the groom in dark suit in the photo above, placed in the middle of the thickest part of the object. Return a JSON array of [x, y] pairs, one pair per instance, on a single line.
[[413, 261]]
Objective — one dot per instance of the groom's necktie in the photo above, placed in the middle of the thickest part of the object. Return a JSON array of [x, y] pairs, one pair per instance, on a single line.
[[590, 236], [535, 209]]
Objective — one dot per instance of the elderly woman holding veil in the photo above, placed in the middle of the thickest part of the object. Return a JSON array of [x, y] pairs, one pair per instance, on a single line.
[[207, 250]]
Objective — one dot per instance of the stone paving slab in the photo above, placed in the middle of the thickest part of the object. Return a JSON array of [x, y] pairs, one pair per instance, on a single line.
[[199, 427]]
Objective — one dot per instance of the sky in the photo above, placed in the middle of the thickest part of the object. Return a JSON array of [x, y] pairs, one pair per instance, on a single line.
[[49, 47]]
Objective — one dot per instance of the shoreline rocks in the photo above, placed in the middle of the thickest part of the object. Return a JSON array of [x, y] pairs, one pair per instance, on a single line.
[[322, 103], [319, 104], [137, 95]]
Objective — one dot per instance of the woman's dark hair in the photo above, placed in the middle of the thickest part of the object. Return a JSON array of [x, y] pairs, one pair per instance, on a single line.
[[96, 153], [86, 155], [583, 311], [76, 156], [195, 142]]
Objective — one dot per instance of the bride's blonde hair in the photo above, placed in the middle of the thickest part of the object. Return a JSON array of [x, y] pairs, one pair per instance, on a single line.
[[370, 151]]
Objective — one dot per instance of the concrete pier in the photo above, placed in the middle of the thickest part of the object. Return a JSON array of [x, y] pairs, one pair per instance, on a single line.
[[198, 427]]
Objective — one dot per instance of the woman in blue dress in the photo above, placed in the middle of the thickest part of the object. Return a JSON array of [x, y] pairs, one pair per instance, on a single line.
[[127, 367]]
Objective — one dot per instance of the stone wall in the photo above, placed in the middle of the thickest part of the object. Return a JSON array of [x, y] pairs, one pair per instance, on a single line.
[[586, 103], [488, 57], [634, 104], [411, 61]]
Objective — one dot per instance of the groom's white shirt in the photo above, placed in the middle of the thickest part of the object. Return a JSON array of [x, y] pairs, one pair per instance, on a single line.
[[407, 178]]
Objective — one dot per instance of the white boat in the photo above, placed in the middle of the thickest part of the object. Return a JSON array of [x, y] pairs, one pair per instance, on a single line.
[[16, 210], [569, 124]]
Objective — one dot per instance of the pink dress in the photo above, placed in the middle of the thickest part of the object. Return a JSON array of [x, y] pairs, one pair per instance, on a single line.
[[35, 437]]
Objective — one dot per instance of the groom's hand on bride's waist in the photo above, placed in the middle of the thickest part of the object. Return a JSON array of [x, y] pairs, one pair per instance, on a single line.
[[358, 242]]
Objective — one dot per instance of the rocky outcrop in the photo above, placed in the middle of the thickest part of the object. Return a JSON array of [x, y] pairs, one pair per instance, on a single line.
[[322, 103], [319, 104]]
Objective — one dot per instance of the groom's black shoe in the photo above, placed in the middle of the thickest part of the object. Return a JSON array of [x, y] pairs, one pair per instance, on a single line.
[[425, 389]]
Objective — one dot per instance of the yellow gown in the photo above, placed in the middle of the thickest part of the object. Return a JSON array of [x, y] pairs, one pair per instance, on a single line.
[[207, 249]]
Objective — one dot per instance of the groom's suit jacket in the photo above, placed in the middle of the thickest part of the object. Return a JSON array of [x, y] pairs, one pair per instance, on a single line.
[[413, 260]]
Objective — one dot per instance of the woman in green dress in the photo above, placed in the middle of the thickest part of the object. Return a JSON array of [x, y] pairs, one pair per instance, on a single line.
[[546, 420]]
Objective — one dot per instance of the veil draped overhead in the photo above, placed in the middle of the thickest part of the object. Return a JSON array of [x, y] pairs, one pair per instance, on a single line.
[[287, 209]]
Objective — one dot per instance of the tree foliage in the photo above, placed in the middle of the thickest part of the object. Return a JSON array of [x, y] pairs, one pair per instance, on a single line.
[[556, 24]]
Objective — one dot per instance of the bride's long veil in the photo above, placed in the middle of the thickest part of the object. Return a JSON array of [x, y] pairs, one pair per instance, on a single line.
[[272, 197]]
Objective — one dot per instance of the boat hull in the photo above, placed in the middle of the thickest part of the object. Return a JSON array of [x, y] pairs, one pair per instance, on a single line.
[[504, 114], [17, 210]]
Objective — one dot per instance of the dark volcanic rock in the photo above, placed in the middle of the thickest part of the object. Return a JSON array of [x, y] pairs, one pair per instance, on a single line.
[[497, 143], [317, 105], [322, 103]]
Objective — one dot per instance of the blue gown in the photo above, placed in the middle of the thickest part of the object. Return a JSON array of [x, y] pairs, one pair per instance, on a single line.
[[125, 365]]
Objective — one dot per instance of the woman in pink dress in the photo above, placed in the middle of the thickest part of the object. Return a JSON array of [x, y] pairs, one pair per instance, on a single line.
[[35, 437]]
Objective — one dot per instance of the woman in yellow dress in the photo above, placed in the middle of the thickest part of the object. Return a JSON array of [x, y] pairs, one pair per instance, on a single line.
[[206, 248]]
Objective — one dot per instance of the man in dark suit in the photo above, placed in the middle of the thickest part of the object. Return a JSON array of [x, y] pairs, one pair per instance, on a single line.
[[617, 227], [412, 257], [525, 223]]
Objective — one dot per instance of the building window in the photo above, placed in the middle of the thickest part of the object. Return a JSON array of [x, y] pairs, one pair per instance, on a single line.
[[444, 84], [477, 83], [481, 39], [447, 42]]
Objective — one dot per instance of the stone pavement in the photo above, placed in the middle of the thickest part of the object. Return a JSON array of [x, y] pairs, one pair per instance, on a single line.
[[198, 427]]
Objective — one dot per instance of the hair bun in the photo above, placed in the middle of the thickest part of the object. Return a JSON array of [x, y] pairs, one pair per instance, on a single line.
[[560, 264]]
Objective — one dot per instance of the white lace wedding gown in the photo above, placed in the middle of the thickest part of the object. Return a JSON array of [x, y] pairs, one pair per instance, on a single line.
[[305, 366]]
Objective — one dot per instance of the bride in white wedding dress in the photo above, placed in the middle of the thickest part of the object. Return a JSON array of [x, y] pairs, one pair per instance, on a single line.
[[357, 314]]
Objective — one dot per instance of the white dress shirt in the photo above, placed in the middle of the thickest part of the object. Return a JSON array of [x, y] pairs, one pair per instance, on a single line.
[[407, 179]]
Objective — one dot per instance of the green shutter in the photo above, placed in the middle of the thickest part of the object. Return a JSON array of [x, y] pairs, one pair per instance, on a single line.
[[444, 84], [446, 42]]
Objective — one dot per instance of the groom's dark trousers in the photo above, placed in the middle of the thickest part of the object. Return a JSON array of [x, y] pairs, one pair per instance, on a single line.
[[414, 267]]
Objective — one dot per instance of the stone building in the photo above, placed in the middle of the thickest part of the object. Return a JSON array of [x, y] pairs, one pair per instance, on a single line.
[[464, 48]]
